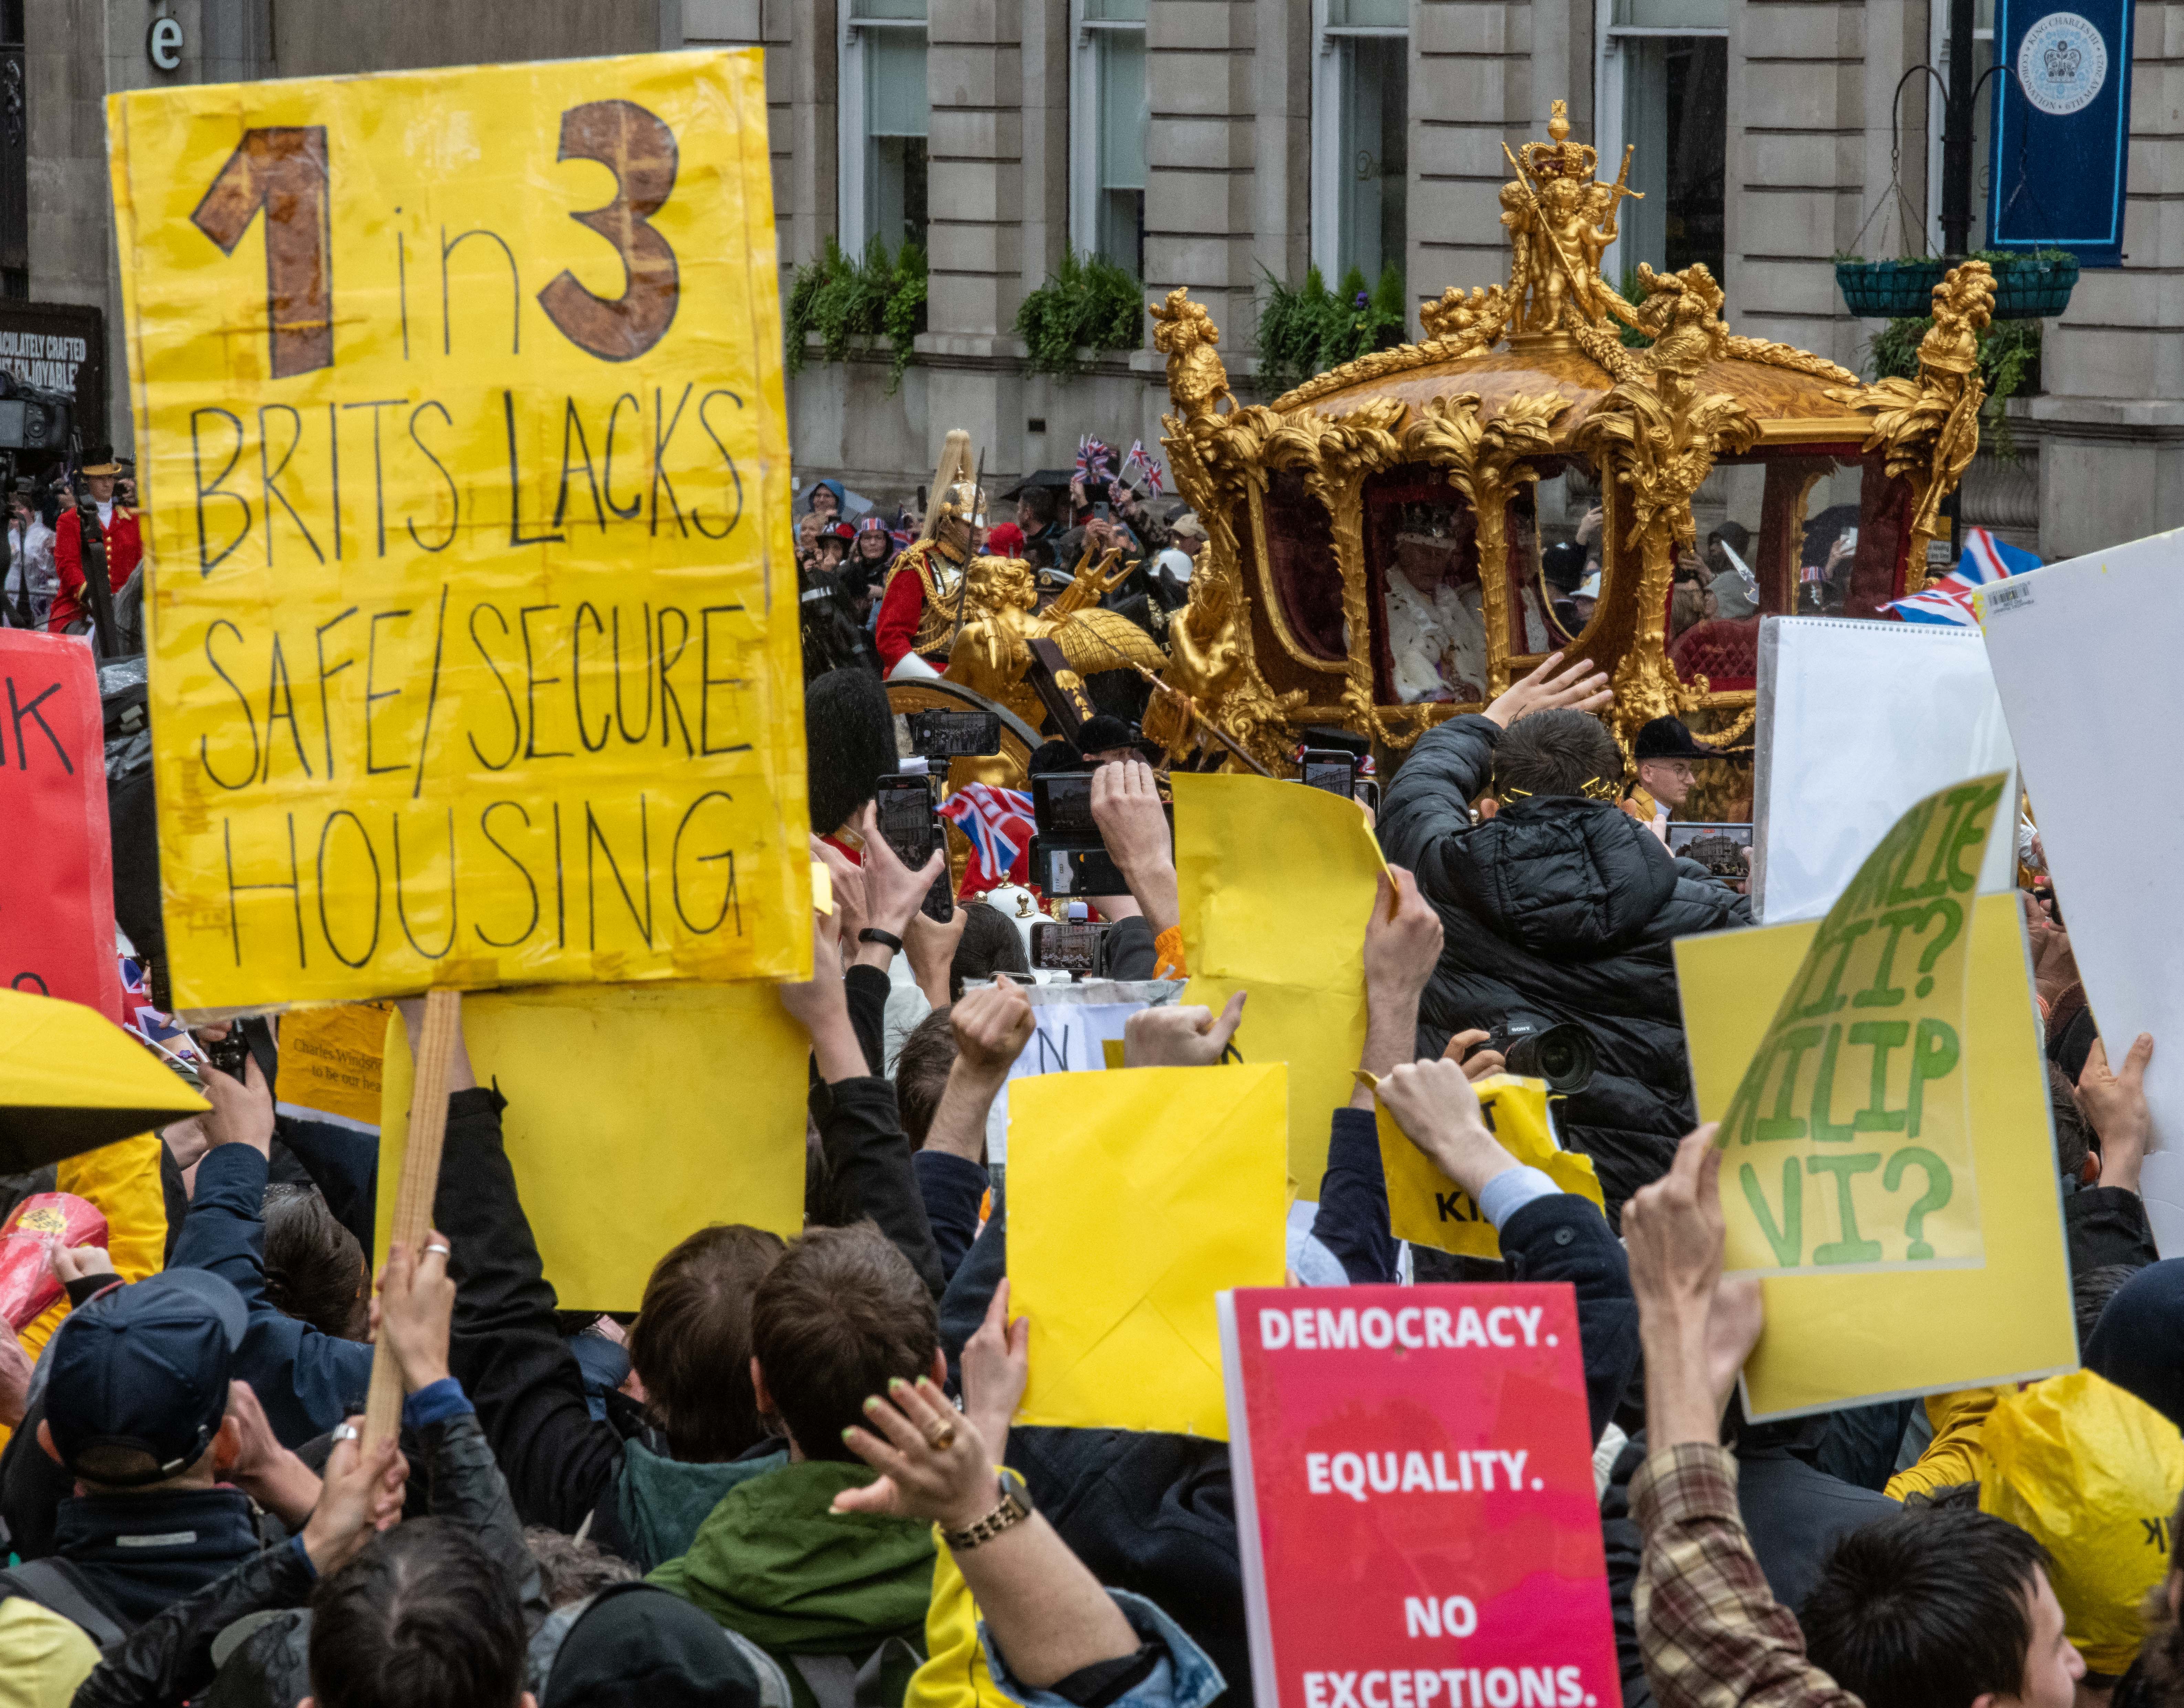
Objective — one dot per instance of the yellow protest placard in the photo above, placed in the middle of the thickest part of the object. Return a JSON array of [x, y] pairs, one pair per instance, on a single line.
[[474, 654], [1845, 1335], [1135, 1195], [1428, 1209], [1849, 1137], [1276, 882], [330, 1060], [690, 1097]]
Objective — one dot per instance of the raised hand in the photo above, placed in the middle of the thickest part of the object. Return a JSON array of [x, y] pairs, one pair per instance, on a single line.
[[935, 1465], [242, 1109], [893, 892], [417, 1302], [1552, 687], [996, 1369], [361, 1495], [1180, 1037], [2115, 1105], [1482, 1065], [1402, 942], [1698, 1327], [1434, 1104], [991, 1026]]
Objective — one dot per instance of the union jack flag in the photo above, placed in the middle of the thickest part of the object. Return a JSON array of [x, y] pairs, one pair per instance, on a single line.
[[1947, 599], [998, 823], [1142, 463], [146, 1022], [1095, 459]]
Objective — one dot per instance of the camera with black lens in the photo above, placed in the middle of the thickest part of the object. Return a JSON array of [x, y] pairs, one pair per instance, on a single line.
[[1561, 1053]]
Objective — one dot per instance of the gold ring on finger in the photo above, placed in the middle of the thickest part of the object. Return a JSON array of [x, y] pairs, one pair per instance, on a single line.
[[941, 1436]]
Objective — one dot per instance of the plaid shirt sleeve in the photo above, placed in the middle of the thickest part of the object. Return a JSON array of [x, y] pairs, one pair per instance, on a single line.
[[1711, 1632]]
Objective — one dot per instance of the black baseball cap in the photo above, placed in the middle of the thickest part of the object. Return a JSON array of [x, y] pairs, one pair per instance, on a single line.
[[145, 1368], [636, 1645]]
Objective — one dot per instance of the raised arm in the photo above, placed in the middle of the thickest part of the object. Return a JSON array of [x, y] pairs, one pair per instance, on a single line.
[[307, 1381], [1051, 1627], [990, 1027], [1711, 1631], [859, 1127], [1546, 1234], [1126, 805], [506, 1344], [1402, 945]]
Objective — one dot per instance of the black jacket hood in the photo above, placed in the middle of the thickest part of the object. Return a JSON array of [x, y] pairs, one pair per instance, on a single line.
[[1567, 878]]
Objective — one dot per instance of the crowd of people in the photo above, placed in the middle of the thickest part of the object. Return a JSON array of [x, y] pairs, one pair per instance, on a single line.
[[793, 1477], [44, 587], [1057, 521]]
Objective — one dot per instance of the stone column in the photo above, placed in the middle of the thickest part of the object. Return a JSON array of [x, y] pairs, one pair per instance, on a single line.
[[1200, 209], [1473, 90], [1808, 159], [974, 235]]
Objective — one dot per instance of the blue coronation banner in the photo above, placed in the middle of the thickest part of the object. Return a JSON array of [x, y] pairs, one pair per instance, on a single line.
[[2062, 128]]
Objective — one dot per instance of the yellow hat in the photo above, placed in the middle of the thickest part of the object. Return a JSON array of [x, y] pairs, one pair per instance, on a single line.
[[71, 1081]]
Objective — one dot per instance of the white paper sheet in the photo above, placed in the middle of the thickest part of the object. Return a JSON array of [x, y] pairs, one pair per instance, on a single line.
[[1073, 1025], [1859, 721], [2085, 654]]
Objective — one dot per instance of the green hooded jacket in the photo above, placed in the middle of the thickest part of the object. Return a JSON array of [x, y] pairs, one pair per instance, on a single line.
[[662, 1501], [773, 1563]]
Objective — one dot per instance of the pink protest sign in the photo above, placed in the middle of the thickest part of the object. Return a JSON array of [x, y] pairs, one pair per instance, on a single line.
[[1414, 1495]]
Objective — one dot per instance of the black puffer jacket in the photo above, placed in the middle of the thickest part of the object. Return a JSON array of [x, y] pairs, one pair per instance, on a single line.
[[1564, 908]]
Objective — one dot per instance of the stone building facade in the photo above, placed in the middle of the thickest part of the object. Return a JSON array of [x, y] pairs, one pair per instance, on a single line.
[[1219, 143]]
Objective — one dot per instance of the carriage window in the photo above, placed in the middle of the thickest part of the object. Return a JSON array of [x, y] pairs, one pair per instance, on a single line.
[[1300, 560], [1422, 569], [1778, 535]]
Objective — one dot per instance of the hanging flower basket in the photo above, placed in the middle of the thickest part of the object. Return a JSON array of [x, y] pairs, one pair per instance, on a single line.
[[2031, 287], [1889, 290]]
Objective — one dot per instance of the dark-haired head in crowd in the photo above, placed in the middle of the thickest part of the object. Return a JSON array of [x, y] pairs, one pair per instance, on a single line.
[[1946, 1607], [423, 1618], [315, 1268]]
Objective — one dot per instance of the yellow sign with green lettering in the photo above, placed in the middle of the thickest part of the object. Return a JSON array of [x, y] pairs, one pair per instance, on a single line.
[[1848, 1141], [474, 658]]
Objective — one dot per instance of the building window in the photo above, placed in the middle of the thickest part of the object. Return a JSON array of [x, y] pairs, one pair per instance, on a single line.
[[1983, 51], [1360, 137], [1663, 83], [1109, 112], [883, 112]]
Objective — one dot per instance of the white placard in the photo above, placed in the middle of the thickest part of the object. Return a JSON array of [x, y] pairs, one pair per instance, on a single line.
[[1073, 1027], [1858, 723], [2085, 654]]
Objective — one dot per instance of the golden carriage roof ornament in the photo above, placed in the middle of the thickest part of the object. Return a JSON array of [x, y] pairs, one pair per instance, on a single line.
[[1304, 500]]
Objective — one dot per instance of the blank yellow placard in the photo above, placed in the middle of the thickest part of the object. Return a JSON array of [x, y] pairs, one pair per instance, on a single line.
[[1841, 1340], [474, 654], [1428, 1209], [637, 1113], [1277, 882], [1135, 1195]]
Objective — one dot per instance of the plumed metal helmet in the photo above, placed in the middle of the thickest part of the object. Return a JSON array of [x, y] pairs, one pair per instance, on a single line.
[[964, 502]]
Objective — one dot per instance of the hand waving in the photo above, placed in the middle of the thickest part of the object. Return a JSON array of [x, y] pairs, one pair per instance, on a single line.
[[935, 1462], [1577, 687]]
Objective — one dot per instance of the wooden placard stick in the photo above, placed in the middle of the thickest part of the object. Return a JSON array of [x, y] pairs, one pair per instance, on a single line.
[[420, 1181]]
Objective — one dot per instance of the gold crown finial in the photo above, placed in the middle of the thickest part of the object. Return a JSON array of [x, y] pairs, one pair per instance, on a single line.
[[1559, 120]]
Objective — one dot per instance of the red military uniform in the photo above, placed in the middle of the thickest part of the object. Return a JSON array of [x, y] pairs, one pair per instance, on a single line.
[[125, 549], [914, 612]]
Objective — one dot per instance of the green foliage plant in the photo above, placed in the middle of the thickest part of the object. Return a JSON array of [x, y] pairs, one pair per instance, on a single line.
[[881, 295], [1087, 303], [1307, 329]]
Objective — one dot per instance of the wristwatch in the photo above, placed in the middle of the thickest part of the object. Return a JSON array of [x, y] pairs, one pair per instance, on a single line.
[[1015, 1507], [887, 940]]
